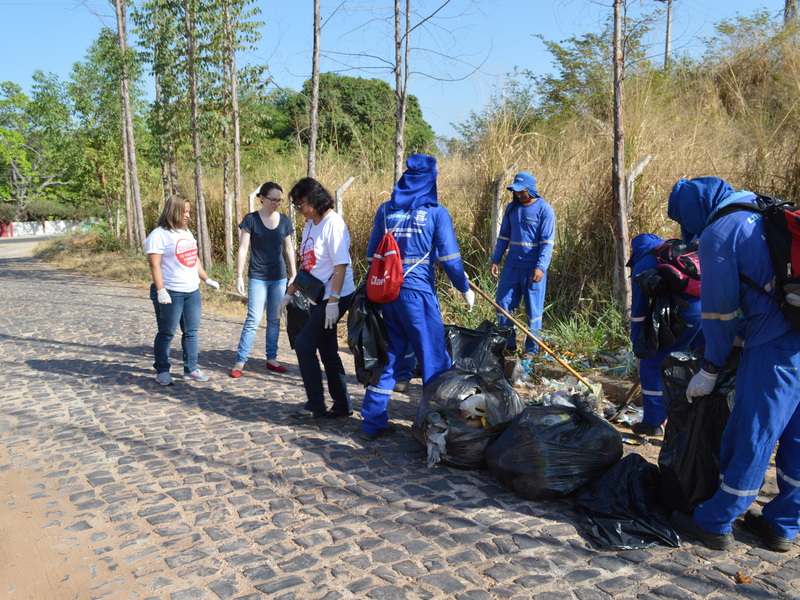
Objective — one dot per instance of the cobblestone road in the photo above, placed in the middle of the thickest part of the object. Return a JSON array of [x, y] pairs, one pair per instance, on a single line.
[[210, 490]]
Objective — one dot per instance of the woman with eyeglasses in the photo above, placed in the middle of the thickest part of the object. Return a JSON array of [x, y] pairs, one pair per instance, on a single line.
[[268, 235], [325, 254]]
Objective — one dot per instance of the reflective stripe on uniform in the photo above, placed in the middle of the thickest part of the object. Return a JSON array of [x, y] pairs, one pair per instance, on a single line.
[[652, 392], [637, 319], [450, 257], [726, 317], [735, 492], [529, 244], [376, 390], [787, 479]]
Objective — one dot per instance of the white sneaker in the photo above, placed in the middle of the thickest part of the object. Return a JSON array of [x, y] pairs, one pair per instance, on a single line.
[[196, 375], [164, 378]]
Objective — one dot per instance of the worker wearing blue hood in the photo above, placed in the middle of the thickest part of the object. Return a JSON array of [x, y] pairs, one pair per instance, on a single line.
[[642, 260], [765, 409], [528, 231], [424, 233]]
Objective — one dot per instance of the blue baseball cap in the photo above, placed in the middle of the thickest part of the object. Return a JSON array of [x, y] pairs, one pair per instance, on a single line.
[[524, 181]]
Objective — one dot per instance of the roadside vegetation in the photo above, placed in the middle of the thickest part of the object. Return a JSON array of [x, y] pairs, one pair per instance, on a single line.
[[731, 112]]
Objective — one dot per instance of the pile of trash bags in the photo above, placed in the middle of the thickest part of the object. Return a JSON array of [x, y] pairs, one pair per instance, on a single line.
[[552, 450], [461, 413]]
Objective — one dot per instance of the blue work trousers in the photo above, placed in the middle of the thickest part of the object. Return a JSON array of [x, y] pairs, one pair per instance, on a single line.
[[515, 284], [413, 319], [766, 412]]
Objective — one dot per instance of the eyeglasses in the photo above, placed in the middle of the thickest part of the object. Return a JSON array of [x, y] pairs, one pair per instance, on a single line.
[[276, 200], [299, 206]]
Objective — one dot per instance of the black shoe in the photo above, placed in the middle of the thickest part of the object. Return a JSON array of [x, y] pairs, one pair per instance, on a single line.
[[371, 437], [755, 523], [686, 526], [401, 386], [304, 415], [642, 428], [337, 414]]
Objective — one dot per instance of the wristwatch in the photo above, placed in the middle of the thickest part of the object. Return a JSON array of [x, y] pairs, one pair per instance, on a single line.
[[337, 296], [710, 367]]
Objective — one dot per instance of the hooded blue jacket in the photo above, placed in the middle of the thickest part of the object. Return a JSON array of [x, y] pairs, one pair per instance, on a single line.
[[529, 230], [423, 228], [729, 246]]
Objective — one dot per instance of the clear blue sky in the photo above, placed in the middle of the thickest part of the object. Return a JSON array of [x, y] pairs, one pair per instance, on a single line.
[[498, 35]]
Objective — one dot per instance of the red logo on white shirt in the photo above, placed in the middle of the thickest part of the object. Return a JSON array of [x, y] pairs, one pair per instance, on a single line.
[[186, 252], [307, 255]]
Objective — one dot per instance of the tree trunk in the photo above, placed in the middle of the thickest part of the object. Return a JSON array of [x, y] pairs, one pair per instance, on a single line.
[[159, 109], [227, 201], [618, 182], [203, 237], [136, 196], [237, 144], [313, 115], [790, 12], [126, 178], [401, 50]]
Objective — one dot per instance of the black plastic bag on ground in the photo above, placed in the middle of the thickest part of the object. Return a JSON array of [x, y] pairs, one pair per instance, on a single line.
[[461, 413], [689, 456], [477, 349], [551, 451], [618, 509], [662, 325], [366, 337], [297, 313]]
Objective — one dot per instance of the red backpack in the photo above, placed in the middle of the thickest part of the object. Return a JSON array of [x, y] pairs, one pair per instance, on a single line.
[[679, 266], [385, 276]]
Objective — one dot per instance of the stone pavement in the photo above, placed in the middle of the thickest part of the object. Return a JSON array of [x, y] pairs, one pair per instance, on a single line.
[[211, 491]]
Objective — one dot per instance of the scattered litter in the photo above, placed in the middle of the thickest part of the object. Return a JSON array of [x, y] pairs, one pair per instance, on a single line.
[[742, 578], [633, 442]]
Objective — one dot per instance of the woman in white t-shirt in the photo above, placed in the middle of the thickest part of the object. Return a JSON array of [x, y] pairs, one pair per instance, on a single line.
[[175, 292], [325, 253]]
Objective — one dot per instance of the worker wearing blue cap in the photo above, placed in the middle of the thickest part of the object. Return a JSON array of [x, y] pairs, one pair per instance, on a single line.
[[527, 231]]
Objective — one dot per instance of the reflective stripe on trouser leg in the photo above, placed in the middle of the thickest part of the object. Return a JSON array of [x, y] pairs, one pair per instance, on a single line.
[[652, 395], [534, 306], [764, 410]]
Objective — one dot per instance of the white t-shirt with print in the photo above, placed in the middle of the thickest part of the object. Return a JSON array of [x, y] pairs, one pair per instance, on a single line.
[[179, 257], [324, 246]]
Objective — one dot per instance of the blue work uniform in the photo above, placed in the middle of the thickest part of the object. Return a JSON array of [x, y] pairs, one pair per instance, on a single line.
[[650, 368], [765, 411], [423, 229], [528, 232]]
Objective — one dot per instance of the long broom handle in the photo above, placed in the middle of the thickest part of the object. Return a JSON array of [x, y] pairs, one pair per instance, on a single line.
[[529, 334]]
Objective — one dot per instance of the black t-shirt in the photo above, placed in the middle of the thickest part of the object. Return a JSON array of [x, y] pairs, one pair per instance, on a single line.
[[266, 247]]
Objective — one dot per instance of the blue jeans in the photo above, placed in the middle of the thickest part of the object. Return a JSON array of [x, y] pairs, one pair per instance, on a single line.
[[314, 337], [185, 311], [261, 293]]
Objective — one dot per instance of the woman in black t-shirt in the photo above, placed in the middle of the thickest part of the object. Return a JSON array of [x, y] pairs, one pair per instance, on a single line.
[[268, 235]]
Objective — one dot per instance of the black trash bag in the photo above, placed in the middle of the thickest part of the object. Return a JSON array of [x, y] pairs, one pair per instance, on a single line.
[[662, 325], [297, 313], [689, 455], [617, 509], [477, 349], [551, 451], [366, 337], [445, 407]]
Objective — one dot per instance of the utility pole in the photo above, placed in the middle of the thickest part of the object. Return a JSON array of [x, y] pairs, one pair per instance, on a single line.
[[668, 45], [618, 182]]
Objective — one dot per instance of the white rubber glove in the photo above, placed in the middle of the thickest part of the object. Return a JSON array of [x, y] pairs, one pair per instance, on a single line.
[[469, 298], [285, 301], [163, 296], [331, 315], [240, 287], [212, 284], [701, 384]]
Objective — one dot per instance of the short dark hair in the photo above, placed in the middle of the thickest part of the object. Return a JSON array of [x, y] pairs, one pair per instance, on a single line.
[[268, 187], [314, 192]]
